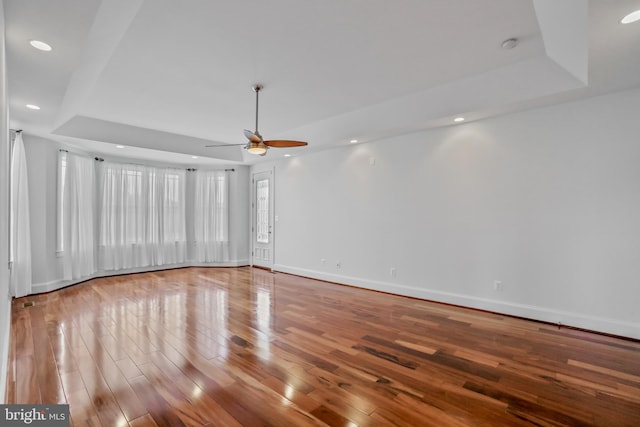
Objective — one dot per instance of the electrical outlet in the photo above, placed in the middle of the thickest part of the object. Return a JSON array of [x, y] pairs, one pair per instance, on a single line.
[[497, 285], [338, 265], [323, 262], [392, 272]]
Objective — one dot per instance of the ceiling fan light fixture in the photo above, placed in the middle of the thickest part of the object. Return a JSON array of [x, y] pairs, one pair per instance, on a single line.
[[257, 148]]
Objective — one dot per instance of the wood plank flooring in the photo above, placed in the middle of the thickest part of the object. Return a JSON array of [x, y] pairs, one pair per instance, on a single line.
[[246, 347]]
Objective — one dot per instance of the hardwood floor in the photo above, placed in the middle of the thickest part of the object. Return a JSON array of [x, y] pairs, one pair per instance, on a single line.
[[245, 347]]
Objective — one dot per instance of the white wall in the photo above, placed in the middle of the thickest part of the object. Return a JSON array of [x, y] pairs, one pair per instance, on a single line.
[[5, 300], [239, 212], [42, 173], [547, 201], [42, 167]]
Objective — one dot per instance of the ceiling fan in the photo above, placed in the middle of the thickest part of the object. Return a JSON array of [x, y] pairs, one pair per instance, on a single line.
[[258, 146]]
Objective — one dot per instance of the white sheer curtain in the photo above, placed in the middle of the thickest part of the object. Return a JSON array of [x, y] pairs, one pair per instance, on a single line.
[[76, 243], [20, 247], [211, 216], [142, 216]]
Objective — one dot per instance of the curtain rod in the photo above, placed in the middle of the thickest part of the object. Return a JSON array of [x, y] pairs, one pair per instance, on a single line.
[[226, 170], [100, 159]]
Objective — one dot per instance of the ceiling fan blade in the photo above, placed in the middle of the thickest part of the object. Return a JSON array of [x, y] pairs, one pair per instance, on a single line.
[[283, 143], [224, 145], [251, 136]]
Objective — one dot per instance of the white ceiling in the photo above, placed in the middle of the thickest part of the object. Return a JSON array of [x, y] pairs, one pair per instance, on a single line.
[[176, 76]]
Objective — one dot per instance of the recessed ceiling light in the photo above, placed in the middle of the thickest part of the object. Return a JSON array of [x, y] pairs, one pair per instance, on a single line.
[[287, 155], [119, 146], [32, 107], [194, 157], [40, 45], [632, 17], [458, 119], [353, 141]]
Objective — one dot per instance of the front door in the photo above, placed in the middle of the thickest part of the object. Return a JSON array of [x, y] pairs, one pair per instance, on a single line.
[[262, 219]]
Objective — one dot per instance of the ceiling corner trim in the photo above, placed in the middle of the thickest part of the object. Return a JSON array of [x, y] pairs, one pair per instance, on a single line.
[[565, 31]]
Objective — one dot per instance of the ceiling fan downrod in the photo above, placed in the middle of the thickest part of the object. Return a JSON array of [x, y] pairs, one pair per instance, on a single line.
[[257, 88]]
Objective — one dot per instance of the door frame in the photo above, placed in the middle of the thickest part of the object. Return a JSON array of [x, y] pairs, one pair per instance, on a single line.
[[272, 235]]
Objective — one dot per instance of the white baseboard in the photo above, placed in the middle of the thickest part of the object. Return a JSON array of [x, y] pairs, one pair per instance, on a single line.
[[39, 288], [237, 263], [566, 318]]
